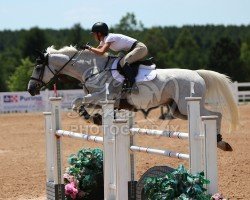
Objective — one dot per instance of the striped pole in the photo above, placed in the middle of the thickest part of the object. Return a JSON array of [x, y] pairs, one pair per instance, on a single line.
[[70, 134], [170, 134], [165, 152]]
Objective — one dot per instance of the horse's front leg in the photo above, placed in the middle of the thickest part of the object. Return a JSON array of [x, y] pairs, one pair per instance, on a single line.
[[79, 107], [89, 112]]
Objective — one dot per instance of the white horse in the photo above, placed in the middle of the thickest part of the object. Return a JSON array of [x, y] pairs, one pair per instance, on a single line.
[[169, 87]]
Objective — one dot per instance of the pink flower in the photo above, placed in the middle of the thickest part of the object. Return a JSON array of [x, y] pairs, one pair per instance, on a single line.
[[218, 196], [70, 189], [68, 177]]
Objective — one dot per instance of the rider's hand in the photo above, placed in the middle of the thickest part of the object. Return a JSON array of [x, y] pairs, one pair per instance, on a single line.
[[86, 46]]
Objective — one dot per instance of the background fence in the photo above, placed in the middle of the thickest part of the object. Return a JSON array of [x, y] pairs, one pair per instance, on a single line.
[[242, 91]]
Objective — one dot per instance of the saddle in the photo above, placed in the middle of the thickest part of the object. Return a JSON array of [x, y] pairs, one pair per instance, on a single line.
[[130, 74], [135, 66], [144, 70], [147, 62]]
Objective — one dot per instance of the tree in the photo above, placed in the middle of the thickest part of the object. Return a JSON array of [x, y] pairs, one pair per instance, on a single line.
[[34, 39], [2, 82], [245, 53], [128, 24], [185, 53], [157, 46], [76, 35], [225, 58], [9, 60], [19, 80], [245, 57]]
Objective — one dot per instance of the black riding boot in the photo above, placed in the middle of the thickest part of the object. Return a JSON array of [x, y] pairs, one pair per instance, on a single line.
[[130, 72]]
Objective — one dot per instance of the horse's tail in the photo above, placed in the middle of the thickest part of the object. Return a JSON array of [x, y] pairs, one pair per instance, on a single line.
[[219, 92]]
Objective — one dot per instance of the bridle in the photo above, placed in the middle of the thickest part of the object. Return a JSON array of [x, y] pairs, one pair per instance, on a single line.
[[44, 64]]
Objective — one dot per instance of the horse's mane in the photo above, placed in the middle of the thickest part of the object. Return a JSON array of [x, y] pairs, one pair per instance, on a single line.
[[68, 50]]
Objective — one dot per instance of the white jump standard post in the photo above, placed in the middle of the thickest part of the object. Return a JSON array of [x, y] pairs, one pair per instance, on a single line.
[[195, 140], [210, 152], [54, 185], [109, 151], [122, 158]]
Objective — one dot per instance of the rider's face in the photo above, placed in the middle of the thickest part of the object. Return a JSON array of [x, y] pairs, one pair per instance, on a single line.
[[97, 36]]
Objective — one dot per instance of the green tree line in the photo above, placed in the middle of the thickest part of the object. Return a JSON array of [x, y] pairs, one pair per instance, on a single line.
[[225, 49]]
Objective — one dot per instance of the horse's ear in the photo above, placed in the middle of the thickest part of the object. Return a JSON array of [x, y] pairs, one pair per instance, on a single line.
[[40, 54], [41, 57]]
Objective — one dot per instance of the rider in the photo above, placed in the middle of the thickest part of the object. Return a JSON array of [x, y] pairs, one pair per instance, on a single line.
[[117, 42]]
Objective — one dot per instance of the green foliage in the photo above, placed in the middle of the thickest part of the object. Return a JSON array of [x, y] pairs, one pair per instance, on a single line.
[[128, 23], [35, 39], [87, 167], [179, 185], [9, 61], [185, 53], [76, 35], [245, 53], [18, 81], [245, 57], [224, 57], [157, 45]]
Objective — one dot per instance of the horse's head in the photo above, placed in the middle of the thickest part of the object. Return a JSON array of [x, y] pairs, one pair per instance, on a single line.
[[82, 66], [48, 66], [41, 75]]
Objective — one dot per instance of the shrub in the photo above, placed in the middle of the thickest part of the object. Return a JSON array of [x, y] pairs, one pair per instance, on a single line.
[[84, 176], [178, 184]]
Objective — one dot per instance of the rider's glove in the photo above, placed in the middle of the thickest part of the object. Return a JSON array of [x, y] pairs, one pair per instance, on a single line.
[[86, 46]]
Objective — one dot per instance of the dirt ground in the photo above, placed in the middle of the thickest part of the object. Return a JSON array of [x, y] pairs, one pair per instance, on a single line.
[[22, 153]]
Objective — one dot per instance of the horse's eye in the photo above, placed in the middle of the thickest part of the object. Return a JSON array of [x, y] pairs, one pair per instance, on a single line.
[[38, 67], [39, 61]]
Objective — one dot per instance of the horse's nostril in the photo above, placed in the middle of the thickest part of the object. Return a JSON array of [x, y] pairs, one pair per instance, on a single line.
[[31, 90]]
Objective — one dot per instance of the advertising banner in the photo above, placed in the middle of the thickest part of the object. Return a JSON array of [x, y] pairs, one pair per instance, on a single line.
[[24, 102]]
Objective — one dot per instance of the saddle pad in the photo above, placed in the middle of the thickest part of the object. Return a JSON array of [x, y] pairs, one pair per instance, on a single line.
[[146, 73]]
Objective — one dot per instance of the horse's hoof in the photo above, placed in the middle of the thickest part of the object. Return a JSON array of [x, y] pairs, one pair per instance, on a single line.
[[97, 119], [224, 146]]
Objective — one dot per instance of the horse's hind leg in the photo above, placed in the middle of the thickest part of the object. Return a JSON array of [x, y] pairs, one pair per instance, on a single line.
[[182, 108], [174, 109], [220, 143]]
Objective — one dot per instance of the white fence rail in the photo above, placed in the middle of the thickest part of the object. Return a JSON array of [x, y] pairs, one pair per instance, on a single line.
[[242, 91]]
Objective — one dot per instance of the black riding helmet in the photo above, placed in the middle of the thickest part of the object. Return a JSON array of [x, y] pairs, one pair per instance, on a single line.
[[100, 27]]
